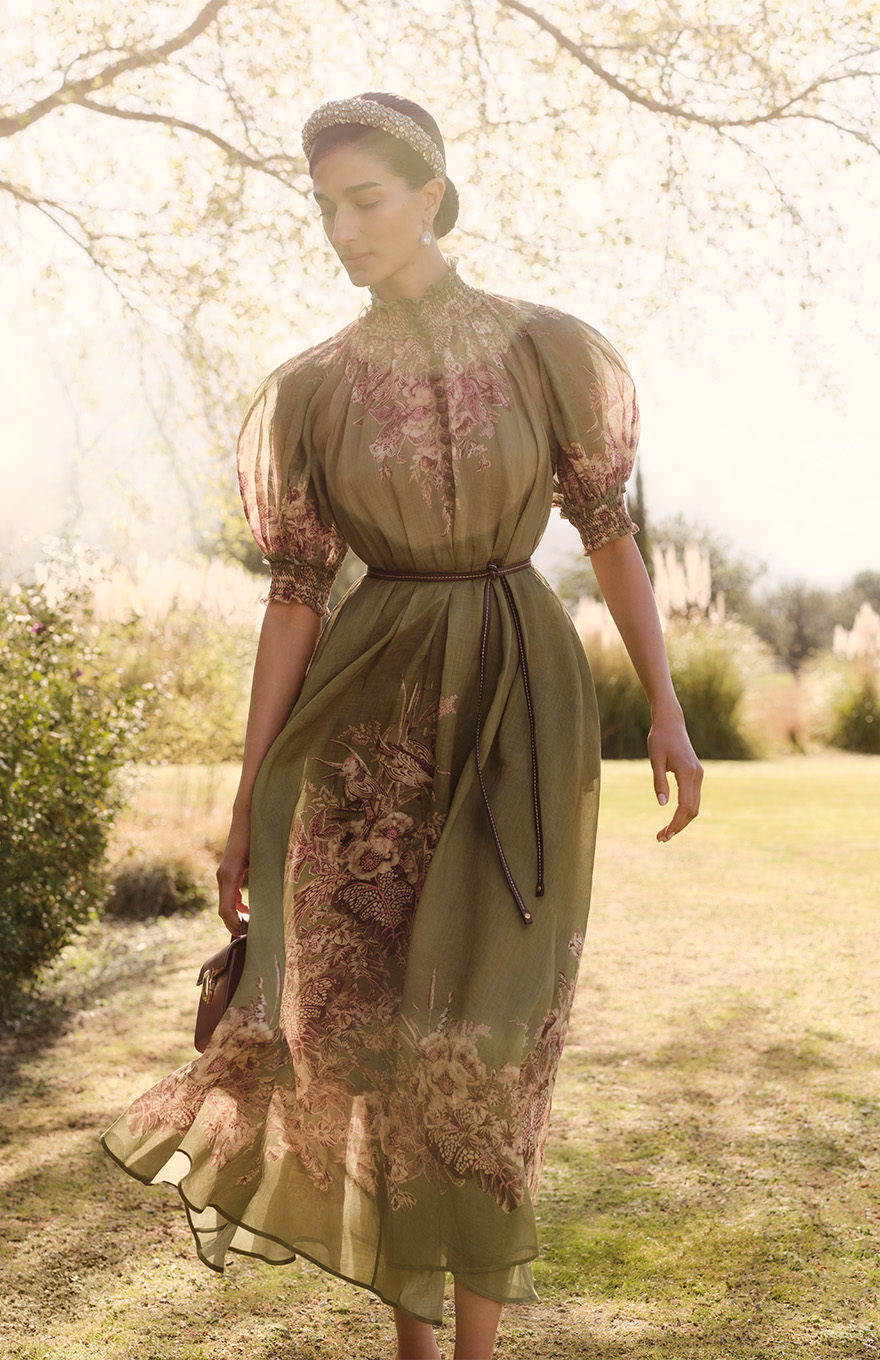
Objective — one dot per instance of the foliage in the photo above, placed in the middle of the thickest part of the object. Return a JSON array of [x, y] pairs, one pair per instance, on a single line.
[[624, 715], [797, 620], [863, 639], [142, 889], [577, 582], [63, 737], [186, 634], [638, 510], [855, 710], [196, 672], [712, 664], [864, 588]]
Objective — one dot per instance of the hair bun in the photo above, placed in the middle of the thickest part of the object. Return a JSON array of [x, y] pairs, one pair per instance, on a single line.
[[447, 213]]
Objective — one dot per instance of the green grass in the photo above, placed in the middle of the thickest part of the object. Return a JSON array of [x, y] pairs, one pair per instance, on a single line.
[[711, 1185]]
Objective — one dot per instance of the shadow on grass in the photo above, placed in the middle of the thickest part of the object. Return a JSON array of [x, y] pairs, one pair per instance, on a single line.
[[110, 961], [110, 1265], [703, 1199], [712, 1191]]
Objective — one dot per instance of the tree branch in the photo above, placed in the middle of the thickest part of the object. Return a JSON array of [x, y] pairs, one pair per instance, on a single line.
[[51, 210], [264, 164], [71, 91], [679, 111]]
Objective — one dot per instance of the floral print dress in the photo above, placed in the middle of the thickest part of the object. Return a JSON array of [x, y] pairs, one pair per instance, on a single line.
[[377, 1097]]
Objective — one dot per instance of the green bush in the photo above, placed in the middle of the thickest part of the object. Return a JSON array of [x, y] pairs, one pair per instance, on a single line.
[[64, 733], [624, 715], [711, 664], [143, 889], [855, 711]]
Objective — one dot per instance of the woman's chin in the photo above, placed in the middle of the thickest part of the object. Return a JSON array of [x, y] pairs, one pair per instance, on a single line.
[[357, 266]]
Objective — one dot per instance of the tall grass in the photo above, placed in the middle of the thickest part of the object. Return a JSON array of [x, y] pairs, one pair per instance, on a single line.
[[181, 633]]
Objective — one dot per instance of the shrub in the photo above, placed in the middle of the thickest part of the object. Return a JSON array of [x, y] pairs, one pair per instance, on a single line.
[[711, 662], [624, 715], [196, 672], [143, 889], [855, 711], [63, 736]]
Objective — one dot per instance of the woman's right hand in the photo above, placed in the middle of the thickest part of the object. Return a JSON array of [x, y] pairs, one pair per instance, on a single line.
[[230, 875]]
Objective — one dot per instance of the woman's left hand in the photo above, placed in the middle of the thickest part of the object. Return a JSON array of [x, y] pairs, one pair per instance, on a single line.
[[670, 751]]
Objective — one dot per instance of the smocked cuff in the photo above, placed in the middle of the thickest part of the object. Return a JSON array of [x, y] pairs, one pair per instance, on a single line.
[[601, 521], [301, 583]]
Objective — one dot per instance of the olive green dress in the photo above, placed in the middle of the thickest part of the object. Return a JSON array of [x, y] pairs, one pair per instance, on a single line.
[[377, 1097]]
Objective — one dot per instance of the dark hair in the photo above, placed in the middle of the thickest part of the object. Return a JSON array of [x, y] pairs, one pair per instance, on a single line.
[[399, 156]]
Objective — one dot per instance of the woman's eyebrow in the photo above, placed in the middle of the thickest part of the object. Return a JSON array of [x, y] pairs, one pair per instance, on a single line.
[[354, 189]]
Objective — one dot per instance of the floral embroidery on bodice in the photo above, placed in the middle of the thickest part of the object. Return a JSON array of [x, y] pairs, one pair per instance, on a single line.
[[434, 433], [431, 375]]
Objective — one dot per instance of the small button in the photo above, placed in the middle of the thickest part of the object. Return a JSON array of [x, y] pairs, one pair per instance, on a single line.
[[444, 422]]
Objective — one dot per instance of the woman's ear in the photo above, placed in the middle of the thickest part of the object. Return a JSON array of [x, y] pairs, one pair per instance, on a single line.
[[433, 193]]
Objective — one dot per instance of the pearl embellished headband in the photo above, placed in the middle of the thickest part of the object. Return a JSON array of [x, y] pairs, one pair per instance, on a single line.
[[369, 114]]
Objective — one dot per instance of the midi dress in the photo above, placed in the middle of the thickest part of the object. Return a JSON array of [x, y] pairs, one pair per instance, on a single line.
[[376, 1099]]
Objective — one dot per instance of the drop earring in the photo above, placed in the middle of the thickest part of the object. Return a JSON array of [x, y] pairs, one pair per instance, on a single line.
[[426, 237]]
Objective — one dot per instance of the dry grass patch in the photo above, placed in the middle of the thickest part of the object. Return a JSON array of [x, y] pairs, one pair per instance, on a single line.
[[711, 1187]]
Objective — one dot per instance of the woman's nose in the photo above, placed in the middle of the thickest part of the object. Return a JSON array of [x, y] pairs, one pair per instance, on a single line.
[[343, 228]]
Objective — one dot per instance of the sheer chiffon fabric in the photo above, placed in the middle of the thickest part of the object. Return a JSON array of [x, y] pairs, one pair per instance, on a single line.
[[377, 1097]]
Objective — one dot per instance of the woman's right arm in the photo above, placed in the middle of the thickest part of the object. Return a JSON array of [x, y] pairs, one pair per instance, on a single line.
[[288, 638]]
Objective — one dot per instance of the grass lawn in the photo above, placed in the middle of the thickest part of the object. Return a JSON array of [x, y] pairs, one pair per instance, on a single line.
[[711, 1186]]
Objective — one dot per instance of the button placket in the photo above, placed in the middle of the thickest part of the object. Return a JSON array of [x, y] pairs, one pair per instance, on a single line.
[[441, 402]]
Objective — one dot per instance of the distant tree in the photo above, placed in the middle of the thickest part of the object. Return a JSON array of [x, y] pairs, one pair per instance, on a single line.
[[639, 512], [797, 620], [577, 581], [863, 588]]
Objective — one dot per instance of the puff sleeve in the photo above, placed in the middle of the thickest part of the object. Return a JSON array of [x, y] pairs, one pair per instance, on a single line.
[[282, 492], [594, 419]]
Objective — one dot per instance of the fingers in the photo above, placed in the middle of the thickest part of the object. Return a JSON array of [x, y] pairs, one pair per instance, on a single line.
[[231, 905], [689, 780]]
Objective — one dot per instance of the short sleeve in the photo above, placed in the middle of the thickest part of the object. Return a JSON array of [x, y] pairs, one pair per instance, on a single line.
[[594, 419], [282, 492]]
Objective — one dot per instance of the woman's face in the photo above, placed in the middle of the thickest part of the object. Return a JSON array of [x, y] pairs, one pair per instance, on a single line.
[[373, 219]]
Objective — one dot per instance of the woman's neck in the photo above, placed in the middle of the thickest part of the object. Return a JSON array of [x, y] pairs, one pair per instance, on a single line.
[[426, 268]]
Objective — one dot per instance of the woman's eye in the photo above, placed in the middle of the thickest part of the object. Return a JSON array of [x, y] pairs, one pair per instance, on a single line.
[[374, 204]]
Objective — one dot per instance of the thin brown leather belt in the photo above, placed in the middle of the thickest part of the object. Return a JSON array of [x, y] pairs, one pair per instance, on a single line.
[[494, 572]]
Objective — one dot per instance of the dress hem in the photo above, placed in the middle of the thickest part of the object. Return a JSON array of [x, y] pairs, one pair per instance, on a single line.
[[298, 1252]]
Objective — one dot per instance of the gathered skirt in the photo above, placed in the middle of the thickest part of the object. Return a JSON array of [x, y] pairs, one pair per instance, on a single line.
[[377, 1097]]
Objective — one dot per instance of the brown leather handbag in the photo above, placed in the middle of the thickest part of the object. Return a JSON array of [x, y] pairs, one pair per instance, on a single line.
[[218, 978]]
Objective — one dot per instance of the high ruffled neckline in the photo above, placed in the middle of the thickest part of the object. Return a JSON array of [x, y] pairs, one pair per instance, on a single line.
[[448, 303]]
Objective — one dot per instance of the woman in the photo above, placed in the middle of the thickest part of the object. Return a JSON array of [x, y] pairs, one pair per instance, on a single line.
[[418, 796]]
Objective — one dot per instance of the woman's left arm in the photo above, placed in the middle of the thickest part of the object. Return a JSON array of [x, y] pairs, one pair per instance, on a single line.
[[625, 584]]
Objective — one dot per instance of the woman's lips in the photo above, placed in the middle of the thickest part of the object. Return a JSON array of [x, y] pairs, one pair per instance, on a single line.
[[355, 259]]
